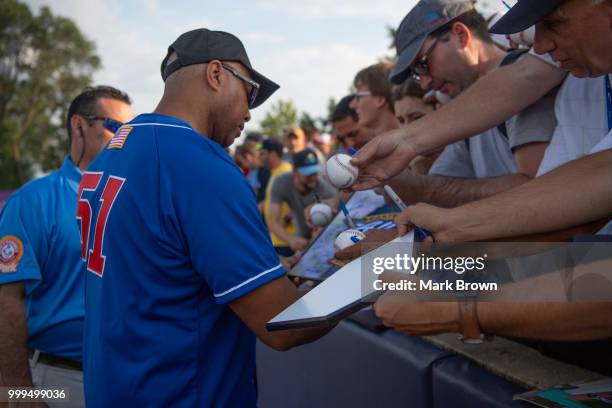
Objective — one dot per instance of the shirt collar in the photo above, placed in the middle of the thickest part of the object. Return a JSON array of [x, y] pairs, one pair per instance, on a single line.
[[70, 171], [158, 118]]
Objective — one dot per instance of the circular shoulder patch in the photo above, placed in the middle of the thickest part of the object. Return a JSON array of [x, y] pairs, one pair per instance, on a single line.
[[11, 252]]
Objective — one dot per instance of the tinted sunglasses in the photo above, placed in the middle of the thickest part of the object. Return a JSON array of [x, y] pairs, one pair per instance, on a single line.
[[254, 85], [108, 123]]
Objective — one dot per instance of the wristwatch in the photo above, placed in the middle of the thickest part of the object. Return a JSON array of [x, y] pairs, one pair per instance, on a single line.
[[468, 318]]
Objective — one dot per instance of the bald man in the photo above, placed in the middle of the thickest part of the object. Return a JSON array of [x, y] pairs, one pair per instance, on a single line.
[[181, 274]]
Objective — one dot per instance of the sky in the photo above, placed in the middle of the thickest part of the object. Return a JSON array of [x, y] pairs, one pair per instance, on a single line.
[[312, 48]]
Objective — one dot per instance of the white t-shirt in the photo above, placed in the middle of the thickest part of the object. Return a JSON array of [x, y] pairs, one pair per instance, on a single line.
[[490, 154], [605, 144], [582, 125], [582, 128], [582, 121]]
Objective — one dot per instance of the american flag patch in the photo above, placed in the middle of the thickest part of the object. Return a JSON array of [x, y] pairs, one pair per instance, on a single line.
[[118, 140]]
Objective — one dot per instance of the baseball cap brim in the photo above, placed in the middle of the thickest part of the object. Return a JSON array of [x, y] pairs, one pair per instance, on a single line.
[[309, 170], [401, 71], [523, 15], [266, 87]]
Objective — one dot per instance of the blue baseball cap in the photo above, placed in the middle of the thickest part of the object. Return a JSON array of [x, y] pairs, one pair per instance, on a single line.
[[306, 162], [523, 15]]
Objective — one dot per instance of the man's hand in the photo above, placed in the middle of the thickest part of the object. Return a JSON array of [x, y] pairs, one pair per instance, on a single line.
[[289, 261], [417, 318], [374, 238], [439, 221], [422, 163], [383, 157], [297, 243], [307, 216]]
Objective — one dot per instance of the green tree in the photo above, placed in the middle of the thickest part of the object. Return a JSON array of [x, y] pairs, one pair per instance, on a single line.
[[331, 107], [45, 61], [282, 115], [307, 122], [391, 32]]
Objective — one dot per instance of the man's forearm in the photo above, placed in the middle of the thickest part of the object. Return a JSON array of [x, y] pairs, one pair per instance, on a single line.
[[277, 229], [547, 321], [450, 191], [566, 234], [574, 194], [490, 101], [14, 368]]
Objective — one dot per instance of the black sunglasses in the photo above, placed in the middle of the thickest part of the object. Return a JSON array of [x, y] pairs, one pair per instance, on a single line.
[[421, 65], [254, 85], [108, 123]]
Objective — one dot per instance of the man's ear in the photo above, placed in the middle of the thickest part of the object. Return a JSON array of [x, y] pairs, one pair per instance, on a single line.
[[214, 74], [380, 101], [76, 126], [462, 33]]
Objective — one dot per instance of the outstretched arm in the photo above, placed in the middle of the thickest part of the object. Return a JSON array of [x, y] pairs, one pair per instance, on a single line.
[[491, 100]]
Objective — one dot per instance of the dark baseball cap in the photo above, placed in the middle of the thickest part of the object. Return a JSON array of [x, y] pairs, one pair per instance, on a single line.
[[202, 45], [425, 18], [306, 162], [523, 15]]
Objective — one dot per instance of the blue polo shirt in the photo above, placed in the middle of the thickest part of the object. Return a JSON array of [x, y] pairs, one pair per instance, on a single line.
[[40, 245], [175, 235]]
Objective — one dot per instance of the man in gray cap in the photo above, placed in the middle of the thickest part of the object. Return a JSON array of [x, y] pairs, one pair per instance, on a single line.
[[445, 44], [181, 275]]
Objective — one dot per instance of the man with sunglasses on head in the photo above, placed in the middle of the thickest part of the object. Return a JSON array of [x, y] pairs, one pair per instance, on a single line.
[[445, 45], [41, 283], [181, 275]]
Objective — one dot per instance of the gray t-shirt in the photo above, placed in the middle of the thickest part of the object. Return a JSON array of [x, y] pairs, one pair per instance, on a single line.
[[284, 191], [489, 154]]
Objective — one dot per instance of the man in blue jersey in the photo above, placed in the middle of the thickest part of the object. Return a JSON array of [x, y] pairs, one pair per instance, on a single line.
[[41, 282], [181, 273]]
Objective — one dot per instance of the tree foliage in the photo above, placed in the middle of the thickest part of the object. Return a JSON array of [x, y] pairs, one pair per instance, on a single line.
[[284, 115], [307, 122], [45, 61], [391, 32], [281, 116]]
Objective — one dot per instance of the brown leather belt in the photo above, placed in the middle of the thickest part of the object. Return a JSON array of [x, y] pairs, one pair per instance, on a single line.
[[56, 361]]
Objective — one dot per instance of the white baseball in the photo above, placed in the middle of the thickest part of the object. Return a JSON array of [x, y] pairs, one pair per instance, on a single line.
[[320, 214], [340, 172], [347, 238]]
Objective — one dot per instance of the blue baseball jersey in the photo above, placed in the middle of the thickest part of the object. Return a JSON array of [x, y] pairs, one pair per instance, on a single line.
[[40, 245], [173, 234]]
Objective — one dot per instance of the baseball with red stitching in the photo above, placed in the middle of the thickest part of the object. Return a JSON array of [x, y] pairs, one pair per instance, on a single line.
[[340, 172]]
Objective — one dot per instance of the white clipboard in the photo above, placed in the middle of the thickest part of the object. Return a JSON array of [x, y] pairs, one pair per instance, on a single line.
[[340, 295]]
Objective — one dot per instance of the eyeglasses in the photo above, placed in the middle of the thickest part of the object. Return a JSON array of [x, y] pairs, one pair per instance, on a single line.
[[421, 65], [361, 94], [108, 123], [254, 85]]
